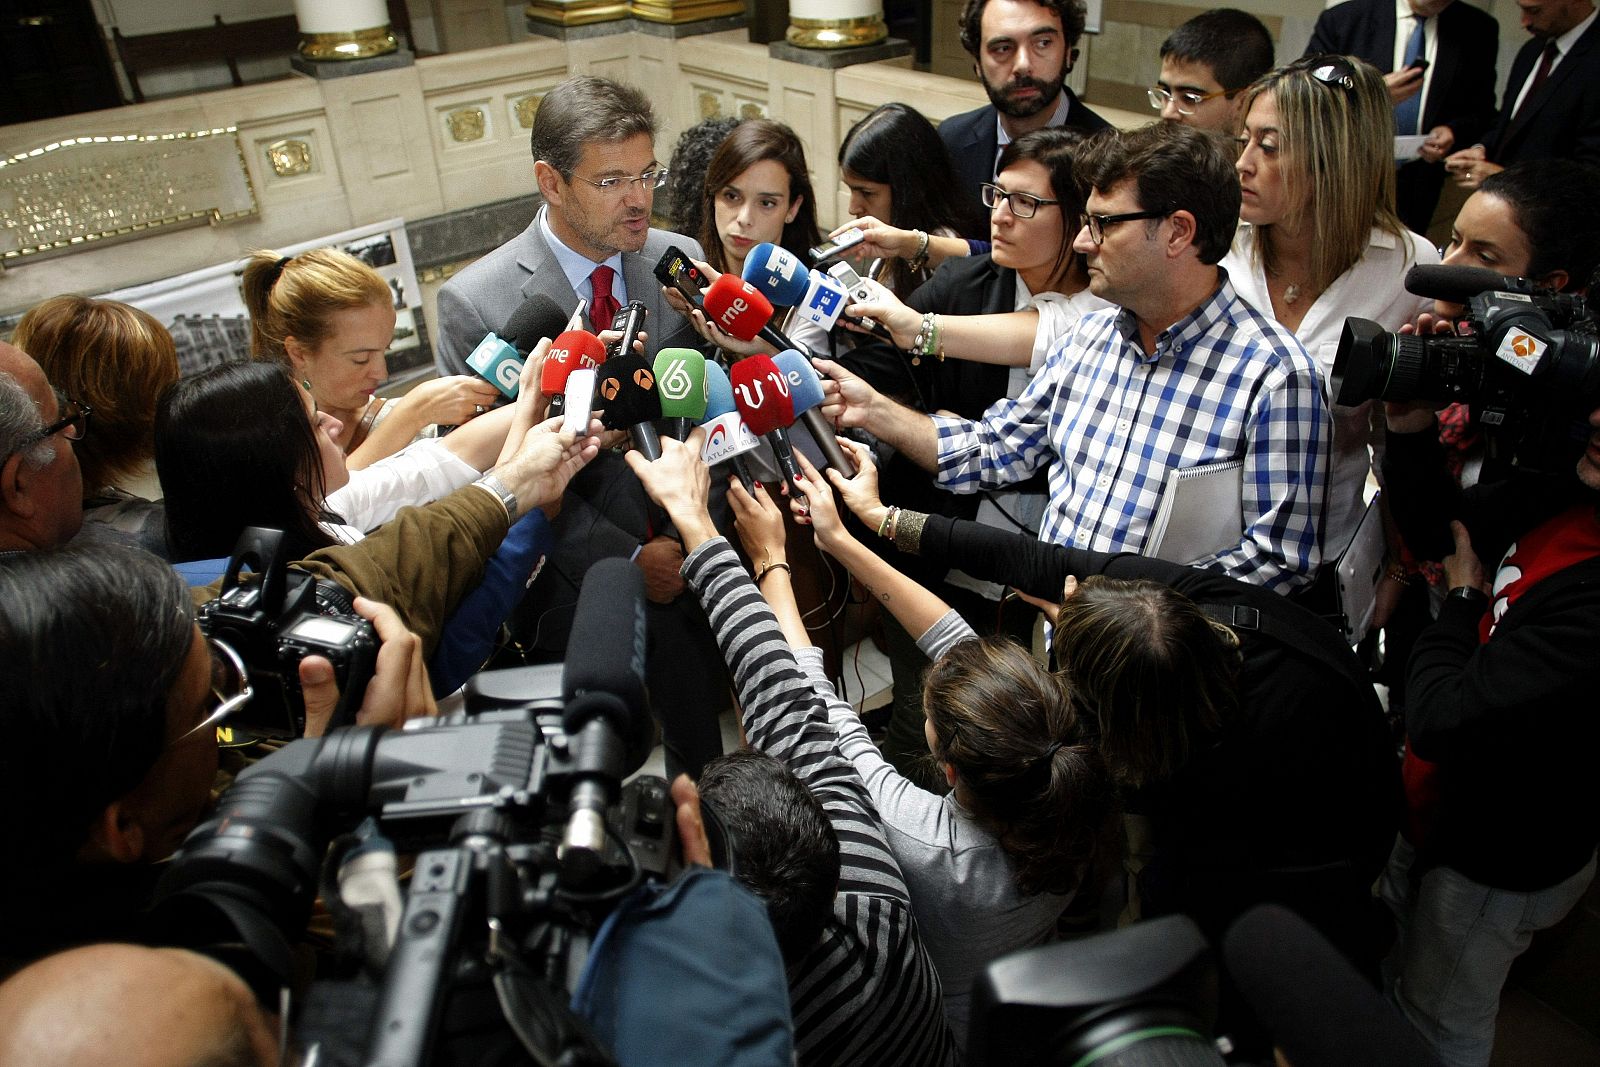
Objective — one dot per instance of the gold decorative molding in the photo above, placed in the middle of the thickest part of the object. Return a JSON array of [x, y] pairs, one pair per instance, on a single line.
[[289, 157], [467, 124], [710, 104], [104, 187], [576, 12], [836, 33], [678, 12], [526, 107], [349, 44], [752, 109]]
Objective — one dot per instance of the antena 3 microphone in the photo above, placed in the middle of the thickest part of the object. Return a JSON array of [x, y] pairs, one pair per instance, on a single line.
[[627, 389]]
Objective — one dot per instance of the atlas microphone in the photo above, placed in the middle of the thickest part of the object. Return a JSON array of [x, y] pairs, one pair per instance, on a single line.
[[739, 308], [571, 351], [762, 395], [681, 385], [627, 387], [727, 437], [606, 711], [805, 390], [815, 296], [499, 359]]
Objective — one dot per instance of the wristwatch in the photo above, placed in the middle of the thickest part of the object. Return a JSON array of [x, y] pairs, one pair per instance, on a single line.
[[501, 493]]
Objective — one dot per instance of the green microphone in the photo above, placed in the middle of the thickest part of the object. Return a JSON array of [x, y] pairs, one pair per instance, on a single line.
[[681, 384]]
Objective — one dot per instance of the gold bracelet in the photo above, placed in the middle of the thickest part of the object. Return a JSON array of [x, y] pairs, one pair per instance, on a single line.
[[769, 568], [908, 533]]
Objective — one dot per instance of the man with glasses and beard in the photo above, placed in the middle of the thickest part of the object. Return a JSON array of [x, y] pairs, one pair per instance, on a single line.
[[595, 164], [1022, 52]]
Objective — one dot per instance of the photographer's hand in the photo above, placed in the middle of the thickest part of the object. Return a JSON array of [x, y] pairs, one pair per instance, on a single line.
[[691, 825], [681, 483], [1463, 567], [399, 687]]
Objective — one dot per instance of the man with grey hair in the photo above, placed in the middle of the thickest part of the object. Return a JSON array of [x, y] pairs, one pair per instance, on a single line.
[[595, 164], [41, 488]]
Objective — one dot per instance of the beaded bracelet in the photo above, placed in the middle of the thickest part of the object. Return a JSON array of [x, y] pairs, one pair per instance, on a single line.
[[888, 517], [920, 260]]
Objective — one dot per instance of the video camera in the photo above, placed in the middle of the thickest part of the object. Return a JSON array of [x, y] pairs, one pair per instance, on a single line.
[[1530, 351], [526, 838], [274, 619]]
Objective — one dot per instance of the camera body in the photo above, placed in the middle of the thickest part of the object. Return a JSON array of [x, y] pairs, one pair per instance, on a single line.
[[273, 619], [1525, 349]]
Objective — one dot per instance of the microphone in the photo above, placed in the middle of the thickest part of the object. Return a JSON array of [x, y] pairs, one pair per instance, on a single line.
[[500, 361], [761, 393], [805, 389], [606, 707], [784, 279], [681, 385], [740, 308], [727, 437], [633, 316], [571, 350], [627, 388], [1315, 1005], [1458, 285]]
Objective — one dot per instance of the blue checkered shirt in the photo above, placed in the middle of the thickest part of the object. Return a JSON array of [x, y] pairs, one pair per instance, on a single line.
[[1110, 422]]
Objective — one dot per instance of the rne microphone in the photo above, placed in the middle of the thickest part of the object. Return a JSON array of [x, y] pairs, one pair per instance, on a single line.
[[570, 351], [606, 710], [740, 309], [727, 437], [500, 361], [762, 395], [681, 385], [805, 389], [627, 388]]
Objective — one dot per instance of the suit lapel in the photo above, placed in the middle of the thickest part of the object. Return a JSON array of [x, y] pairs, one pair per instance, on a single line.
[[544, 274], [1570, 64]]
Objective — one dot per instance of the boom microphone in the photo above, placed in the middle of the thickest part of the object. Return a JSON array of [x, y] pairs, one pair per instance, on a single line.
[[805, 389], [740, 308], [1318, 1010], [681, 385], [607, 709], [627, 388], [727, 437], [761, 393], [499, 360], [570, 351]]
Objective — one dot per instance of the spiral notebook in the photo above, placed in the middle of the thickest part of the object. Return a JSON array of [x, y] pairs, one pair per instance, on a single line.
[[1200, 513]]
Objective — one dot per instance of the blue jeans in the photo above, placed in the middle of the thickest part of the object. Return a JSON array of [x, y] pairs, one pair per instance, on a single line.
[[1456, 942]]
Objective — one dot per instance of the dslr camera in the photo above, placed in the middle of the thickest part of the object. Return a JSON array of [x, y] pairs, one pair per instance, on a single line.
[[274, 618]]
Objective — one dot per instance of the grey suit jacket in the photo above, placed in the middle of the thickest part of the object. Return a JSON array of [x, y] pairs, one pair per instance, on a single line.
[[482, 297]]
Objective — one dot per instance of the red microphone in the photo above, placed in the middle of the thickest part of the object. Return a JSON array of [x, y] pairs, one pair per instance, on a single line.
[[570, 351], [742, 310], [761, 393]]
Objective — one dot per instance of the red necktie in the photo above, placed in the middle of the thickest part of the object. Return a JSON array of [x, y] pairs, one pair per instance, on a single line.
[[1546, 61], [603, 307]]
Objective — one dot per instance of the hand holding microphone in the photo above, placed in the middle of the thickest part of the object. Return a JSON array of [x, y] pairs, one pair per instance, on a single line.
[[784, 280], [740, 309], [571, 352], [761, 393], [806, 391]]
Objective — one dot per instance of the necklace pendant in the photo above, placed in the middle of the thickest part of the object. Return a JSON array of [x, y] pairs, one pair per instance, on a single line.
[[1291, 294]]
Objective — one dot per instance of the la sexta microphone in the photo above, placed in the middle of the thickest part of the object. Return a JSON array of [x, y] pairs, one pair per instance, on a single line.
[[727, 437], [499, 359], [762, 395], [740, 309], [681, 385], [815, 296], [1315, 1005], [627, 388], [570, 351], [606, 710], [1458, 285], [805, 390], [631, 323]]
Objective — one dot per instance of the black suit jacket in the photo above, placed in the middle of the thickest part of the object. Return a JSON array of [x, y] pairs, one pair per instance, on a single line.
[[1562, 119], [974, 142], [1461, 92]]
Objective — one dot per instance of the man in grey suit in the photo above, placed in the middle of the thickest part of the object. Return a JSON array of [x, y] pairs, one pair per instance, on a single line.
[[595, 164]]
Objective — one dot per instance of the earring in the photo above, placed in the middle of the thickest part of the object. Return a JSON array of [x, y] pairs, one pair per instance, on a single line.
[[307, 383]]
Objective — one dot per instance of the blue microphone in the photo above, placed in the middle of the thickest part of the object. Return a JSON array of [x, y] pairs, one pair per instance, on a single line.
[[805, 388]]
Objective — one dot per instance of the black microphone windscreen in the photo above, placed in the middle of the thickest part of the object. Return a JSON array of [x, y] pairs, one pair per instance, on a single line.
[[535, 319], [1315, 1005], [1455, 284], [626, 389], [605, 654]]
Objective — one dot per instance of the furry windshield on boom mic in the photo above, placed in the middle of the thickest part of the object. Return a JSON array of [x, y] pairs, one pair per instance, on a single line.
[[535, 319]]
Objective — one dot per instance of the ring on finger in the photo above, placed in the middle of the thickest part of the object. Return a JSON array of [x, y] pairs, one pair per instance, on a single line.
[[478, 409]]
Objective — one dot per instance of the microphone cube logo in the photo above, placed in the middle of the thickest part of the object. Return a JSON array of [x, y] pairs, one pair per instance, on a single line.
[[726, 436], [781, 263], [499, 363], [736, 307], [823, 302]]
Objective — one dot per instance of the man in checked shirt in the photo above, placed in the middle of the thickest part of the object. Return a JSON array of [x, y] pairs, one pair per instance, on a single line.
[[1181, 374]]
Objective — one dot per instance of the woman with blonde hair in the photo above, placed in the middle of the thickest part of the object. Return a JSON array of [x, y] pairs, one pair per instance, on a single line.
[[330, 318], [1319, 239], [115, 360]]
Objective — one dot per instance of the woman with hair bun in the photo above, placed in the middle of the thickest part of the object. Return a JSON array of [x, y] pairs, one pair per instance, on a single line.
[[330, 318]]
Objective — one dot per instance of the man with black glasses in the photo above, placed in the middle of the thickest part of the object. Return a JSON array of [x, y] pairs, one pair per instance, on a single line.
[[41, 487], [1180, 375]]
